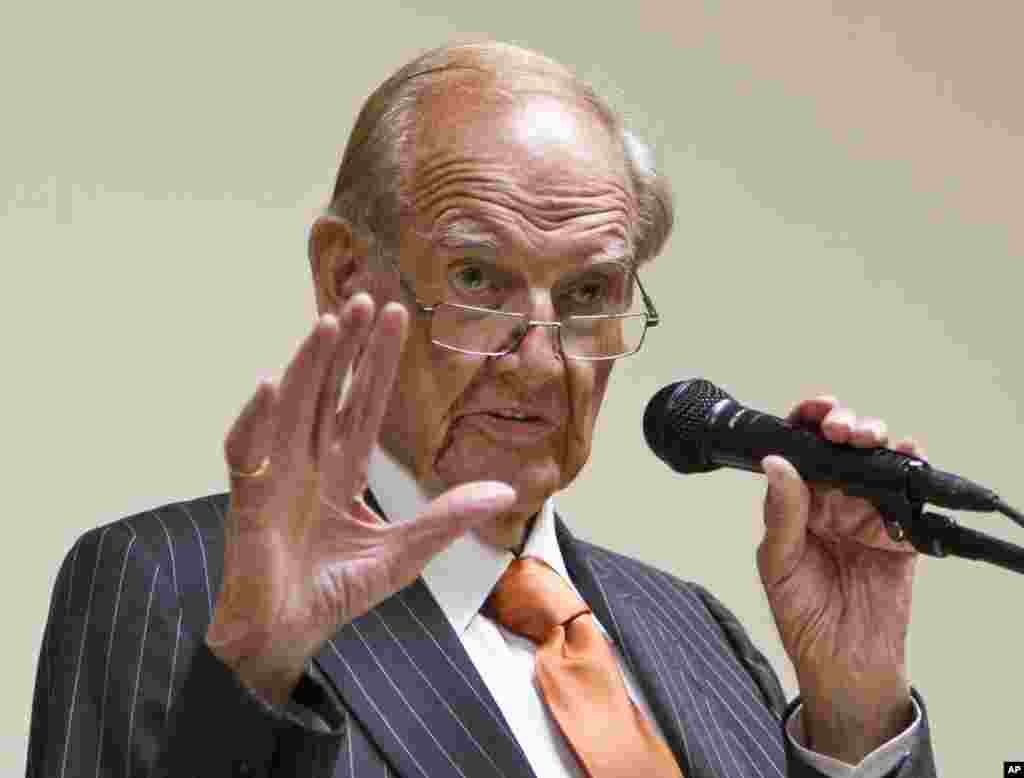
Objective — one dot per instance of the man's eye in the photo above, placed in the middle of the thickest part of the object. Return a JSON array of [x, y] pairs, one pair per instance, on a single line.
[[588, 293], [471, 278]]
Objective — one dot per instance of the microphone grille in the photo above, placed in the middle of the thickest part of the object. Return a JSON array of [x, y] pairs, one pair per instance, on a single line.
[[675, 420]]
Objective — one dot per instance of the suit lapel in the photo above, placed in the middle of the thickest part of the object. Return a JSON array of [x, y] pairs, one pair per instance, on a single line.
[[403, 673], [705, 703]]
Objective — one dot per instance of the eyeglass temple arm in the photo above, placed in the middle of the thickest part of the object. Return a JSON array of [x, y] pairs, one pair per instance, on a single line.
[[653, 318], [405, 283]]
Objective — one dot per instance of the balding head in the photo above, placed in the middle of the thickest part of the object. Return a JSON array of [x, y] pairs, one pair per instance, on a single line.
[[371, 186]]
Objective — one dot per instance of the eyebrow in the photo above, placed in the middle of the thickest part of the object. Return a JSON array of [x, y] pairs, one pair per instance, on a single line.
[[613, 256], [467, 234]]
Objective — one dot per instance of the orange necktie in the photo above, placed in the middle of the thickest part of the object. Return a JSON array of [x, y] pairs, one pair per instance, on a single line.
[[578, 675]]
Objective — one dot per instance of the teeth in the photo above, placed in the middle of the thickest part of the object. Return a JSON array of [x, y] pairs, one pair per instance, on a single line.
[[514, 415]]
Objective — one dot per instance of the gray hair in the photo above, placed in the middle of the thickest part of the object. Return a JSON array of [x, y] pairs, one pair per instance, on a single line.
[[368, 188]]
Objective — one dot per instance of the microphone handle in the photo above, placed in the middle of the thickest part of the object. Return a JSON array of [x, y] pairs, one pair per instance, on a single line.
[[740, 437]]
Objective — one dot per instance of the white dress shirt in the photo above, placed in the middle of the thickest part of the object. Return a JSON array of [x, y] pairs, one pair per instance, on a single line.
[[462, 576]]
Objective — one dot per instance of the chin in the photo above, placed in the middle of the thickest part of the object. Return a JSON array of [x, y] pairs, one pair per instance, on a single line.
[[534, 480], [533, 486]]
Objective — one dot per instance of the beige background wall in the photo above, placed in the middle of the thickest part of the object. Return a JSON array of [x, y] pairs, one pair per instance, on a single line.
[[849, 186]]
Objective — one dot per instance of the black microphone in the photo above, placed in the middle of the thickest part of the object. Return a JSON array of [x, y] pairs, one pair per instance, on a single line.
[[695, 427]]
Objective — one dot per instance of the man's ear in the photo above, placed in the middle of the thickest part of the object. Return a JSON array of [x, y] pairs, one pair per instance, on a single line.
[[337, 261]]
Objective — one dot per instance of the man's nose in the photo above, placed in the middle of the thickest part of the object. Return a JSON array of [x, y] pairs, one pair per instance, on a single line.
[[538, 355]]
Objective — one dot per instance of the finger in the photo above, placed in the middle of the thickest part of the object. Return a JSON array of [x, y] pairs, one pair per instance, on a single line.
[[838, 424], [371, 385], [910, 447], [247, 443], [299, 393], [786, 513], [812, 411], [843, 515], [858, 520], [354, 325], [868, 432], [414, 543]]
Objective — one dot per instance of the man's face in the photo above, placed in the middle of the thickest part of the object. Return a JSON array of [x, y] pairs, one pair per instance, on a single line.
[[511, 204]]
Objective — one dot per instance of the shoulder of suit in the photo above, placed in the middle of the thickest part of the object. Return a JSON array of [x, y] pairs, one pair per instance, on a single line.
[[151, 529], [182, 541]]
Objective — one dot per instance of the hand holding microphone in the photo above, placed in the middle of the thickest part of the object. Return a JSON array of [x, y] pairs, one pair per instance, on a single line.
[[839, 588]]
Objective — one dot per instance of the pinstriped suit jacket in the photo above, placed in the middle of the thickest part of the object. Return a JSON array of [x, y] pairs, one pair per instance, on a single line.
[[126, 687]]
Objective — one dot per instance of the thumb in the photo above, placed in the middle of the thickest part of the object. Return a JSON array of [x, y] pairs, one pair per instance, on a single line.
[[458, 510], [787, 507]]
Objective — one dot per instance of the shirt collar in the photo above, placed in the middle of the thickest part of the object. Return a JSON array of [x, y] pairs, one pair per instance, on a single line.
[[461, 576]]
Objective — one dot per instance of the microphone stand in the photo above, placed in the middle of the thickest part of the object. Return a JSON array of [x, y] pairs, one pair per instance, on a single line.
[[938, 535]]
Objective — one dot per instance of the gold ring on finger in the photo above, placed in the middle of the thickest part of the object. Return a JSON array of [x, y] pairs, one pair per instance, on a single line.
[[259, 471]]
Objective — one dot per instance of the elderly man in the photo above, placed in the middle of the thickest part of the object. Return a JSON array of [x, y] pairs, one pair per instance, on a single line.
[[387, 589]]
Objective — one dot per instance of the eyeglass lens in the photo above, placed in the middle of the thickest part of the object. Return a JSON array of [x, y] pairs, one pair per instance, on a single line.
[[495, 332]]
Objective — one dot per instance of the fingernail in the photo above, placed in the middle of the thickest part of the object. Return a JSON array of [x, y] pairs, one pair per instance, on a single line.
[[769, 465], [361, 298], [359, 309]]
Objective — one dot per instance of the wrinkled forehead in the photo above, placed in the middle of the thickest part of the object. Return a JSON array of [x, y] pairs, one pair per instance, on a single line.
[[542, 133]]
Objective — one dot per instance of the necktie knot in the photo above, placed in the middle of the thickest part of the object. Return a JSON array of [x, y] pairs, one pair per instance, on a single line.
[[577, 675], [531, 600]]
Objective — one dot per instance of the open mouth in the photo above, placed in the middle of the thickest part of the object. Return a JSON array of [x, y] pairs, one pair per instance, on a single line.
[[513, 416]]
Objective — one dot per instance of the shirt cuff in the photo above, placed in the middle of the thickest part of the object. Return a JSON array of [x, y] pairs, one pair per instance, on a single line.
[[218, 726], [877, 764]]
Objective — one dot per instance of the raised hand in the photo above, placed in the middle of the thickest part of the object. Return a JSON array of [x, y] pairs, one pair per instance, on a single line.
[[840, 592], [303, 553]]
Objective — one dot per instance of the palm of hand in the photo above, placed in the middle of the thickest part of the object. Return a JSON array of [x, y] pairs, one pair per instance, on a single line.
[[843, 603], [315, 574], [303, 554]]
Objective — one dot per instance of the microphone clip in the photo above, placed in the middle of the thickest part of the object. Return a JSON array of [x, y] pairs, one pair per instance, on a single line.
[[904, 520], [900, 516], [937, 535]]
